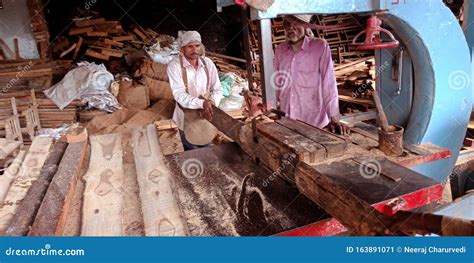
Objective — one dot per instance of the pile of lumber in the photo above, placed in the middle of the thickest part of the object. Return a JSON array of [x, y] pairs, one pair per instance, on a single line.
[[340, 38], [357, 77], [50, 115], [227, 64], [18, 77], [102, 39], [30, 74]]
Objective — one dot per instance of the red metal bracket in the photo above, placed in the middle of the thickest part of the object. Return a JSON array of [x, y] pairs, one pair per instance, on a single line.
[[373, 38]]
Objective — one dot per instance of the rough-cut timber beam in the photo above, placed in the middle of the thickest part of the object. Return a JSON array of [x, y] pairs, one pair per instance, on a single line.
[[53, 211], [25, 215]]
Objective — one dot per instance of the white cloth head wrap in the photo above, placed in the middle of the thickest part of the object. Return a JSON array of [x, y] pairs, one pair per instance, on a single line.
[[186, 37]]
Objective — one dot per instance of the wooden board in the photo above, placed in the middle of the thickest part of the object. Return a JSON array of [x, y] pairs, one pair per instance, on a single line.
[[6, 49], [123, 38], [17, 48], [78, 47], [95, 54], [10, 173], [67, 51], [170, 141], [103, 197], [336, 199], [26, 212], [306, 149], [7, 147], [51, 216], [333, 145], [80, 30], [90, 22], [29, 172], [161, 213]]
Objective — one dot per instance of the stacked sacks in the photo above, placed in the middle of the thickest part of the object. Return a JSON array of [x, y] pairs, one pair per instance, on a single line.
[[151, 69], [154, 76]]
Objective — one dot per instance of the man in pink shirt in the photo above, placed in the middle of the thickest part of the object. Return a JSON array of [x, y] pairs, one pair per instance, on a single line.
[[304, 77]]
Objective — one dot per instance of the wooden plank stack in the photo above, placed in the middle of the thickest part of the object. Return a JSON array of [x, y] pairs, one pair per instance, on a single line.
[[101, 39], [227, 64], [356, 78], [340, 38], [18, 77], [50, 115]]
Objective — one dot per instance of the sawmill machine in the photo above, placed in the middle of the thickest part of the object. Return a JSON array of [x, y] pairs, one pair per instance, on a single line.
[[287, 178]]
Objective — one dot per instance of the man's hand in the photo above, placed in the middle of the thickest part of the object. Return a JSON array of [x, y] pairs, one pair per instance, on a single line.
[[207, 106], [336, 125]]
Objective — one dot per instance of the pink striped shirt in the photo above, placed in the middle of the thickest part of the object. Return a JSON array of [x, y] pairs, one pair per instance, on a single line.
[[305, 82]]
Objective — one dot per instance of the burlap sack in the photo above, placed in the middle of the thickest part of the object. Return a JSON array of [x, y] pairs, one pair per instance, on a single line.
[[134, 96], [147, 68], [158, 89]]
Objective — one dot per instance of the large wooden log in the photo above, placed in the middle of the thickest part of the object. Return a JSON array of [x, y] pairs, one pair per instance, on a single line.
[[28, 208], [52, 214]]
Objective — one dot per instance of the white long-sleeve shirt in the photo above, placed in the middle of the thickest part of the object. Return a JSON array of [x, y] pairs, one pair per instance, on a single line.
[[197, 81]]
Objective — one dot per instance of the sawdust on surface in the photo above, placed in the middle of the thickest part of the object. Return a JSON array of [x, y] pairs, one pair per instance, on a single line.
[[211, 210]]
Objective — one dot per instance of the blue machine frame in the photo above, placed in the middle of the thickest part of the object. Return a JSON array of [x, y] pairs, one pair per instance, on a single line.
[[437, 47]]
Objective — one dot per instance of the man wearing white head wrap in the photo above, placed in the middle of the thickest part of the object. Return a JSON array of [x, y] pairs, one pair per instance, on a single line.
[[186, 37], [201, 77]]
